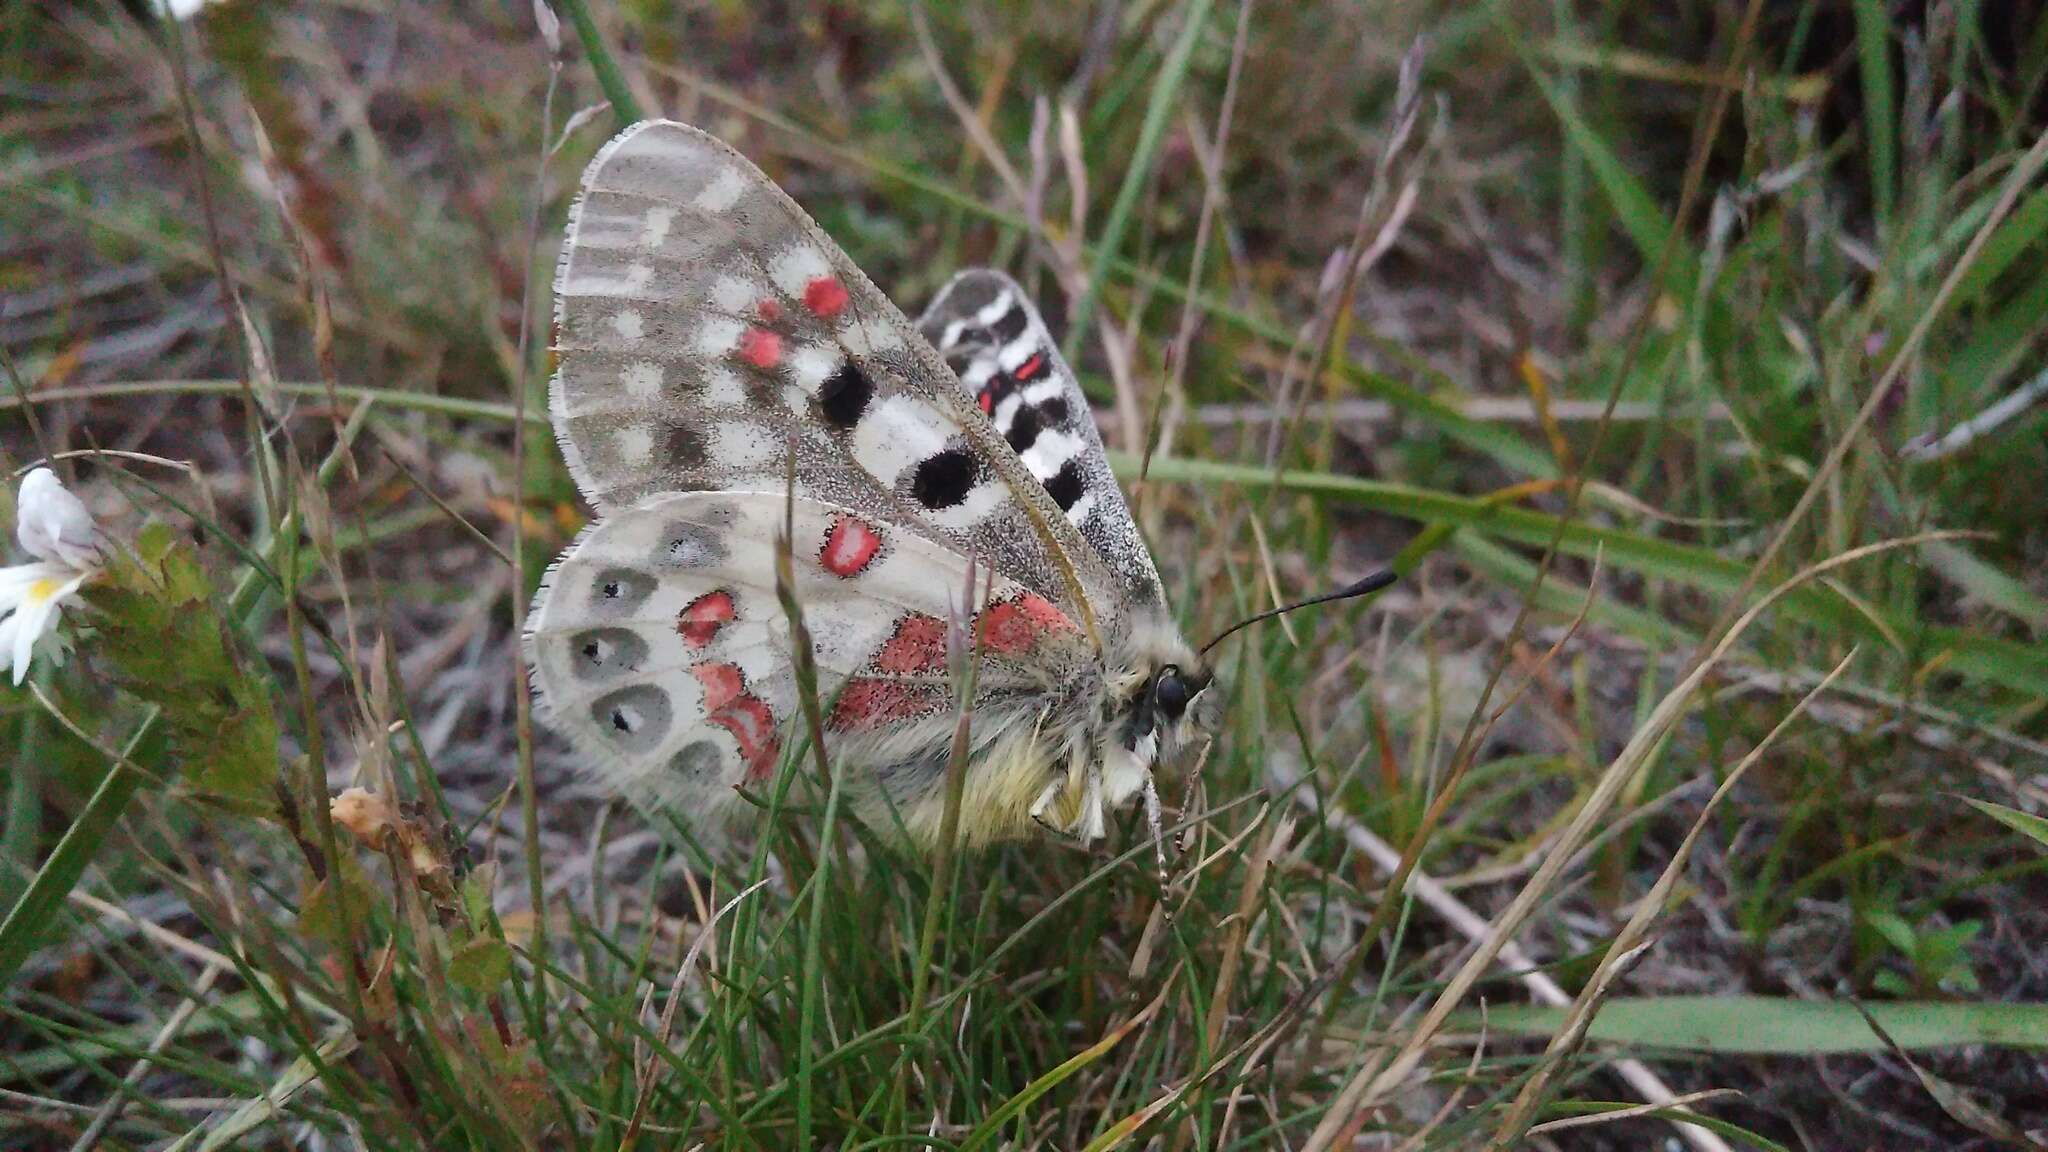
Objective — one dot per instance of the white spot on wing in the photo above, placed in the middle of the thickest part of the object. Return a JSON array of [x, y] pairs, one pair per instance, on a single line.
[[995, 309], [740, 446], [642, 379], [897, 434], [655, 225], [723, 388], [717, 336], [796, 266], [1006, 410], [978, 372], [632, 282], [724, 190], [629, 325], [735, 294], [810, 364], [1078, 514], [982, 499], [758, 665], [1017, 351], [634, 443], [1044, 390], [1051, 449]]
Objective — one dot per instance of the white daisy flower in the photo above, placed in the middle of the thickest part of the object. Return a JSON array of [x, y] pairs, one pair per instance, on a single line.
[[53, 526]]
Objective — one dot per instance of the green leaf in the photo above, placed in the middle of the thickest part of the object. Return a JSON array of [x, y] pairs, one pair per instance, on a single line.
[[1762, 1025], [155, 541], [1896, 932], [481, 964], [328, 907], [167, 644], [2026, 824]]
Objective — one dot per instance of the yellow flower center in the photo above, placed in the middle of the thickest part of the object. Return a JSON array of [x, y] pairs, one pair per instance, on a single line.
[[43, 589]]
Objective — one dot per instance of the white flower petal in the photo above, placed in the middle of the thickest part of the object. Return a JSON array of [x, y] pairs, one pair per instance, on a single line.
[[53, 524], [28, 622], [17, 579], [31, 609], [8, 628]]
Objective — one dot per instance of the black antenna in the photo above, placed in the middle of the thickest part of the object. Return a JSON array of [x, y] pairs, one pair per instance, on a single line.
[[1364, 587]]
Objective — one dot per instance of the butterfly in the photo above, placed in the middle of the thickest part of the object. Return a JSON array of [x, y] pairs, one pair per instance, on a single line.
[[726, 373]]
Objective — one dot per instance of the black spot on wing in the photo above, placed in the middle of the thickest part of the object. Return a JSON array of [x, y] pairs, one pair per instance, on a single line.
[[684, 446], [845, 394], [1065, 486], [1023, 429], [1010, 325], [1053, 413], [618, 591], [943, 478]]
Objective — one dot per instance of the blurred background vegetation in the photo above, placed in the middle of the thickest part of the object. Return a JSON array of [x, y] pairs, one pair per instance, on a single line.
[[1600, 320]]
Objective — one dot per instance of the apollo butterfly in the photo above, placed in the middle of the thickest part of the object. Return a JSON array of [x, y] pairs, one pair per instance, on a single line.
[[714, 343]]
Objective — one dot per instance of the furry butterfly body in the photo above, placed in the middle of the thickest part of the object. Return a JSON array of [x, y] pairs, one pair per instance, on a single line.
[[716, 348]]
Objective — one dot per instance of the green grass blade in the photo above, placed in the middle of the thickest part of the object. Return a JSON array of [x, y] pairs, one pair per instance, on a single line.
[[602, 63], [2026, 824], [2013, 239], [1718, 1127], [991, 1127], [1158, 109], [1763, 1025], [1968, 652], [1880, 122], [1633, 206], [37, 909]]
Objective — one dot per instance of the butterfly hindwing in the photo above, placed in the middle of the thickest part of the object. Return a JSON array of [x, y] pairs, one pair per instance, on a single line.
[[661, 649], [709, 332], [984, 325]]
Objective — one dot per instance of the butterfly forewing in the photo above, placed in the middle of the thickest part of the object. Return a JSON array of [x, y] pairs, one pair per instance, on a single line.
[[711, 335], [985, 327], [660, 646]]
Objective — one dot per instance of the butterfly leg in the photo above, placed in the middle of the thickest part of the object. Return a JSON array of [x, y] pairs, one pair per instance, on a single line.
[[1050, 810], [1153, 821], [1044, 802], [1093, 825]]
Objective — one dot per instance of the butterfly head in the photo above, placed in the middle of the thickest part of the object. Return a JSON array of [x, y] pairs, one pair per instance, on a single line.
[[1171, 704]]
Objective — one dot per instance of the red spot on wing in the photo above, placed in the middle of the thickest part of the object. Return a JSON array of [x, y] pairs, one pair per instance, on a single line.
[[770, 309], [1014, 626], [987, 400], [752, 725], [917, 645], [1030, 368], [700, 619], [728, 704], [825, 296], [722, 683], [850, 546], [874, 703], [760, 347]]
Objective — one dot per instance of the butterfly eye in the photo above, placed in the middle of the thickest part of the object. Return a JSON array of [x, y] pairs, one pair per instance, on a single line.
[[1170, 692]]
